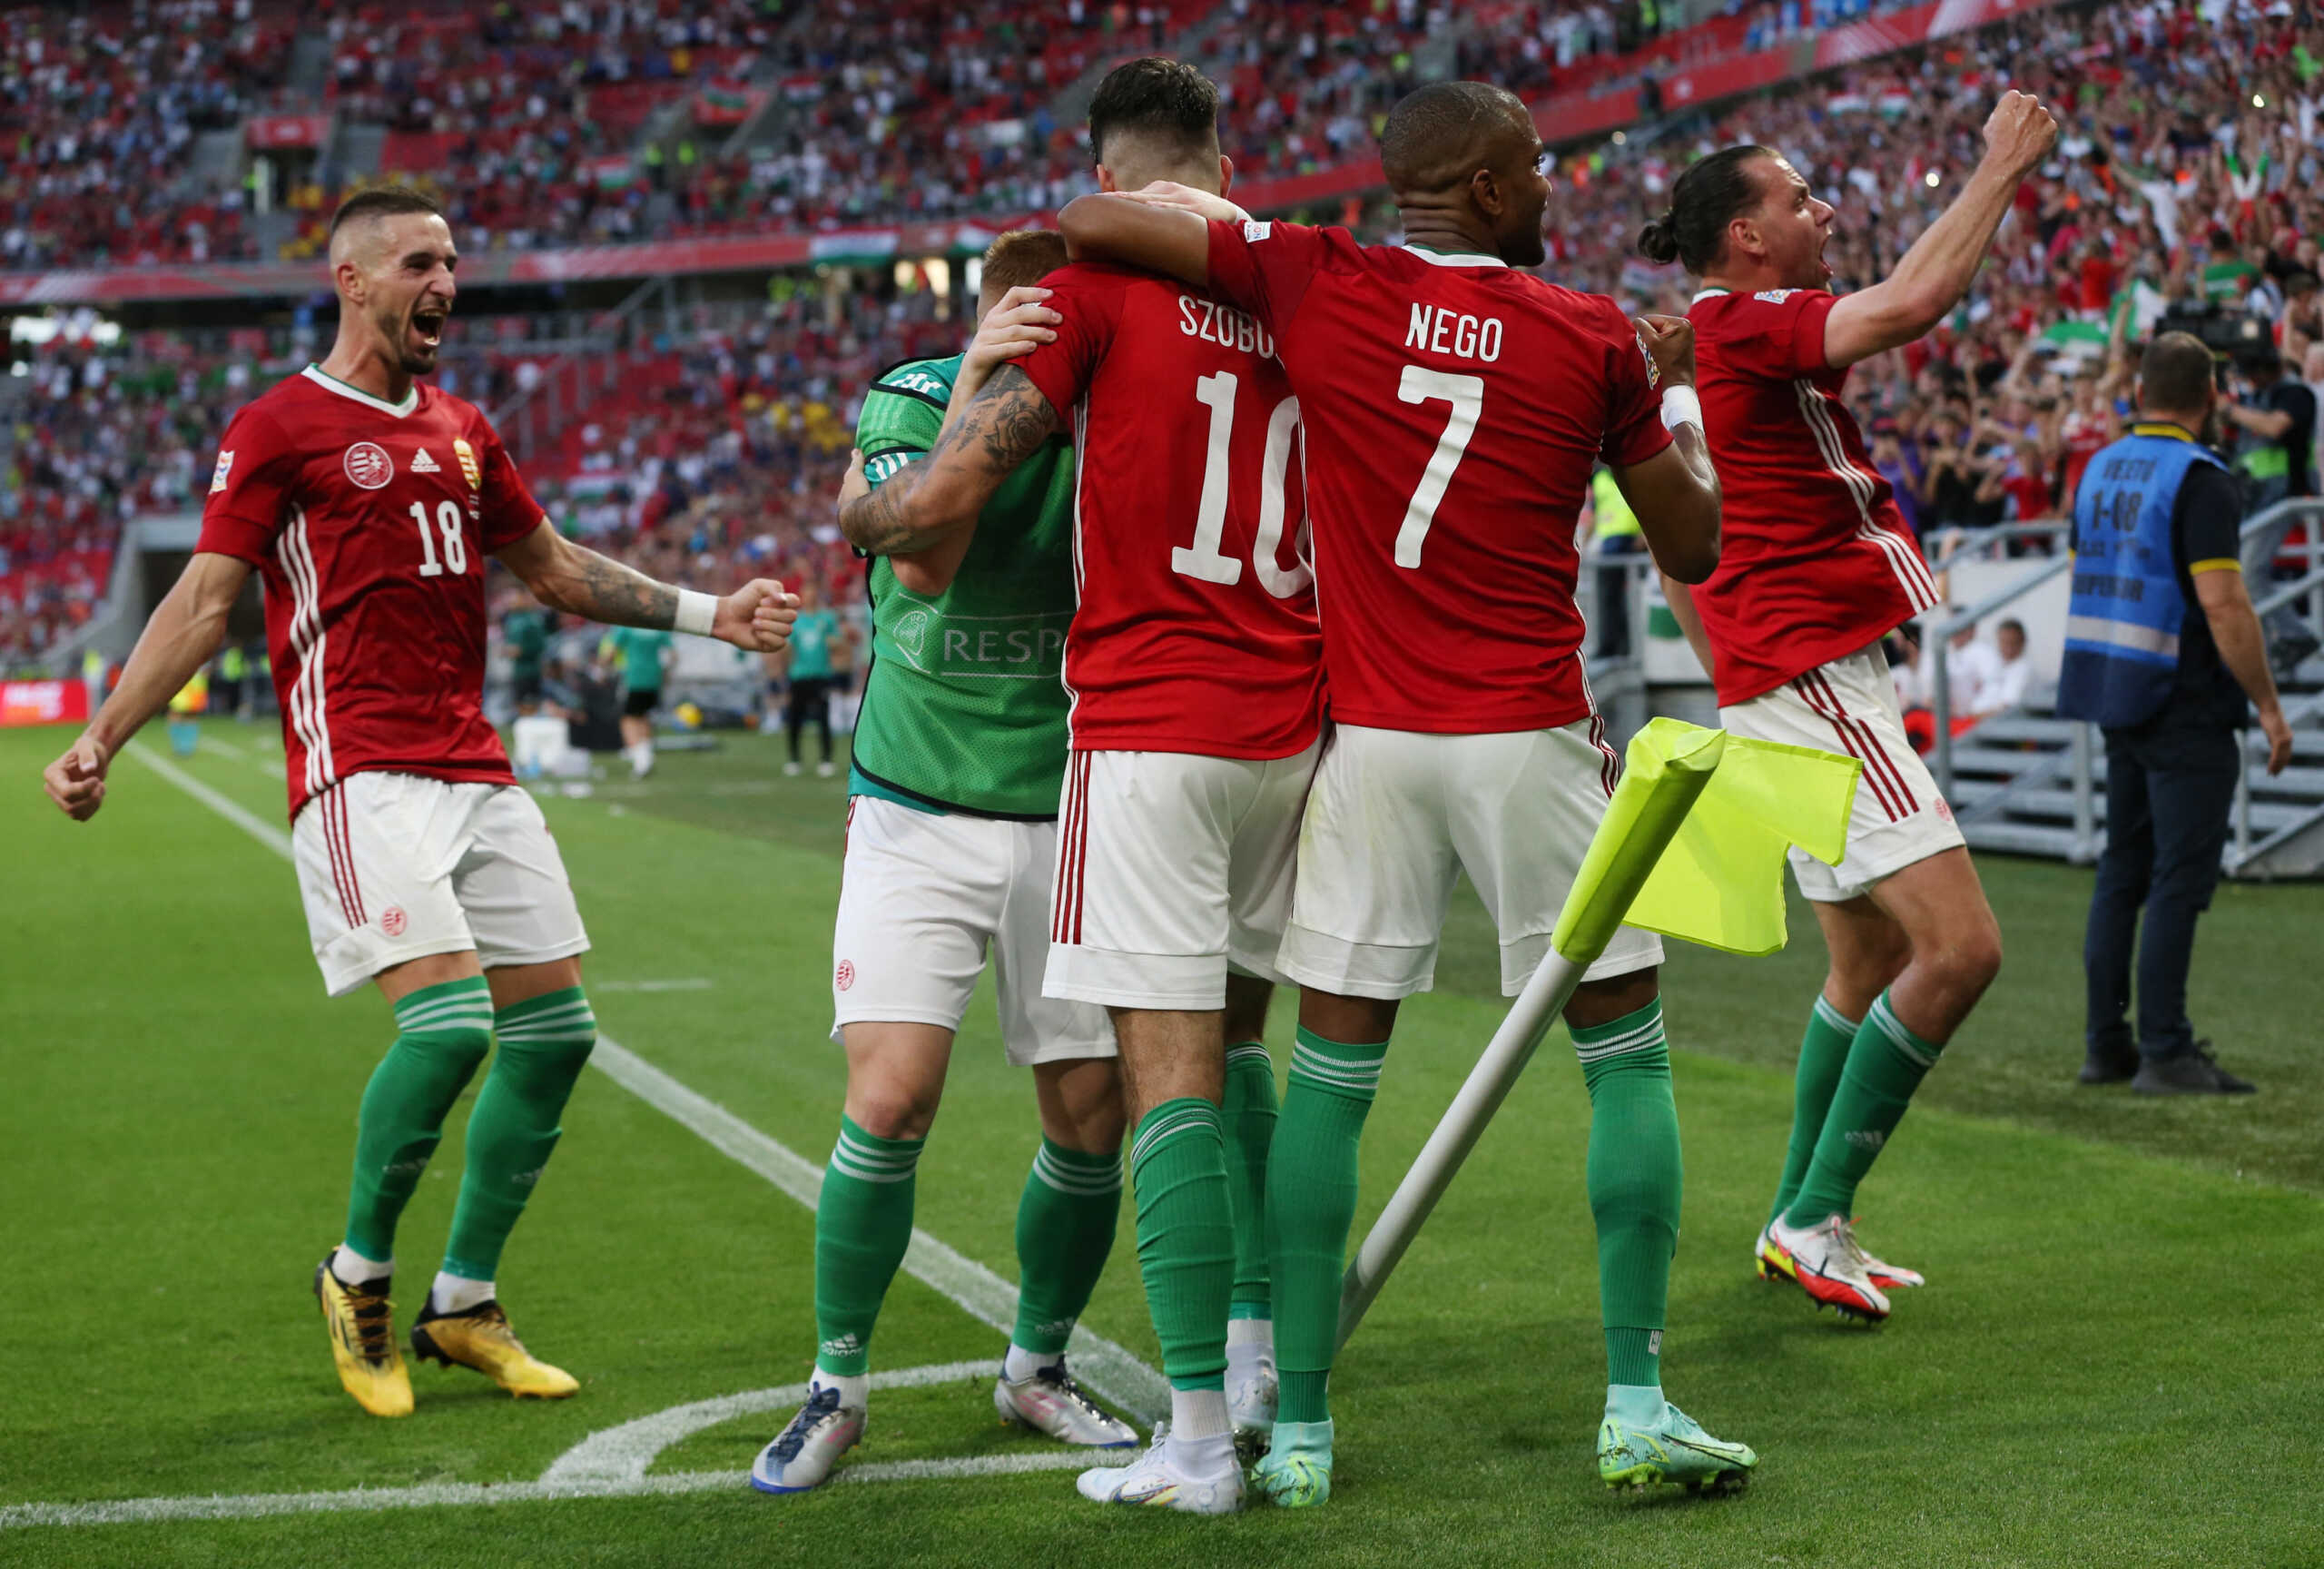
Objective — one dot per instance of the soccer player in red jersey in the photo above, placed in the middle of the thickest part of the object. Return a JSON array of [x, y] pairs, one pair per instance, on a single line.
[[1196, 669], [1819, 566], [1455, 407], [368, 501]]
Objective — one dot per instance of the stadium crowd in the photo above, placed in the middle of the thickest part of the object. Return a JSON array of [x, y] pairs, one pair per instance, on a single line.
[[2188, 173]]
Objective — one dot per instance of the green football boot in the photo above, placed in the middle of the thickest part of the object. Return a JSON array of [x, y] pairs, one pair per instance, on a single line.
[[1674, 1451], [1297, 1471]]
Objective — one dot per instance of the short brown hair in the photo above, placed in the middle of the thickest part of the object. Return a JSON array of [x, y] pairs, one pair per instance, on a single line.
[[382, 201], [2174, 373], [1021, 256]]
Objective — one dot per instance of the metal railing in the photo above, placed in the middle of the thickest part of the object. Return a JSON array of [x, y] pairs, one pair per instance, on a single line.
[[2262, 538]]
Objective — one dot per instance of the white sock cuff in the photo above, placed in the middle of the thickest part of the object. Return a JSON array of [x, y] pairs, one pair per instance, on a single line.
[[353, 1268]]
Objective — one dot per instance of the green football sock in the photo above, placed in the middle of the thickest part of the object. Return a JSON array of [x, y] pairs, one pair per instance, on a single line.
[[544, 1043], [1823, 1052], [1249, 1114], [862, 1226], [1065, 1229], [442, 1033], [1635, 1181], [1886, 1063], [1185, 1237], [1311, 1203]]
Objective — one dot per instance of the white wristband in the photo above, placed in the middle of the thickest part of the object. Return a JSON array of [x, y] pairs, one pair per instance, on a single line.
[[1681, 407], [697, 613]]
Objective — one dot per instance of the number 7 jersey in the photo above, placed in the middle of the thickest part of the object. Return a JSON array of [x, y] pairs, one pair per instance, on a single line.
[[1454, 408], [1195, 630], [369, 523]]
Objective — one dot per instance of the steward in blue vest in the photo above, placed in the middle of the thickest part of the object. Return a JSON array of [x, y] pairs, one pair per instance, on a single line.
[[2161, 647], [2127, 629]]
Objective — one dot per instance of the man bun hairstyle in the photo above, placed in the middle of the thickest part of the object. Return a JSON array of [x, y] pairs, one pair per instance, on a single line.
[[1712, 194], [382, 201], [1019, 257], [1438, 135], [1167, 100]]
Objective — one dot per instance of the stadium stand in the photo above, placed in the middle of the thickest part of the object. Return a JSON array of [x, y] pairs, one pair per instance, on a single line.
[[715, 435]]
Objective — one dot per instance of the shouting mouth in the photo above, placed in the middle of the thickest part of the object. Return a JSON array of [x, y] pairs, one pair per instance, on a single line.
[[428, 326]]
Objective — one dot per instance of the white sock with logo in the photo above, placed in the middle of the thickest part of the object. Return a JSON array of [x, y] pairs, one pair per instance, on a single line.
[[457, 1293], [1020, 1363], [353, 1268]]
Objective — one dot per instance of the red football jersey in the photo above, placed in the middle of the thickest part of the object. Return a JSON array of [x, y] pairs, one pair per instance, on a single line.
[[1815, 560], [1454, 408], [368, 523], [1195, 630]]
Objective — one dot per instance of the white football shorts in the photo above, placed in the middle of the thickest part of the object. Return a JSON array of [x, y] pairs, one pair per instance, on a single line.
[[923, 897], [1397, 816], [1173, 870], [395, 866], [1849, 705]]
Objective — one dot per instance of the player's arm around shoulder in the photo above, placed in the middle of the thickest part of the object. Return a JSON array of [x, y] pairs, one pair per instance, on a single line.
[[922, 515], [184, 631], [572, 578], [1675, 492]]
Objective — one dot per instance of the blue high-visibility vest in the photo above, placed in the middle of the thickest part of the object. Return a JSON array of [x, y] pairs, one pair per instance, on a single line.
[[2123, 620]]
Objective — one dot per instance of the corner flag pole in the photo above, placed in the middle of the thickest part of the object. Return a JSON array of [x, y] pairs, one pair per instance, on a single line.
[[1658, 786]]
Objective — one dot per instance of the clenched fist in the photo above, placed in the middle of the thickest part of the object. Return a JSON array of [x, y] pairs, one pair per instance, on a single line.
[[2020, 132], [76, 781], [1670, 342], [756, 617]]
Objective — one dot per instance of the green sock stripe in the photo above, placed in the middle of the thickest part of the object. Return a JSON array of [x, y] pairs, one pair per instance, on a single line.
[[1637, 1031], [561, 1020], [452, 1005], [1921, 1054], [547, 1002], [871, 1158], [1250, 1054], [1101, 1175], [1353, 1072], [1169, 1120], [1835, 1018]]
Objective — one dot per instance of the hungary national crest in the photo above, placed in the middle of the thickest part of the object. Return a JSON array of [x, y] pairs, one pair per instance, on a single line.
[[466, 455]]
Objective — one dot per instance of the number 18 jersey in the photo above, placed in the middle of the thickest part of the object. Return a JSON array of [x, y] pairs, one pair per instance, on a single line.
[[368, 523], [1454, 408], [1195, 628]]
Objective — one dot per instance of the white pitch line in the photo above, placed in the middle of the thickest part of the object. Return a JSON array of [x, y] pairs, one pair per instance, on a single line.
[[607, 1465], [1107, 1369], [224, 748], [689, 984]]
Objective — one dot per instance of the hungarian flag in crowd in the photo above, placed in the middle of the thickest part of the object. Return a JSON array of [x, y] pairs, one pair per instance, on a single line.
[[614, 172], [726, 101]]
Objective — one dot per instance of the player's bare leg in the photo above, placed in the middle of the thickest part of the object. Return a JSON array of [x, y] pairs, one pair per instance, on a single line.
[[1064, 1232], [1335, 1062], [1174, 1068], [1249, 1111], [1954, 947]]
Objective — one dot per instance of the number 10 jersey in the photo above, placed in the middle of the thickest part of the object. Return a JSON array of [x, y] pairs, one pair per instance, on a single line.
[[1195, 630], [369, 523]]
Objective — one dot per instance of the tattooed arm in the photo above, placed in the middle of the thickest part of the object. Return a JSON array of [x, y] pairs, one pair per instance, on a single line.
[[575, 579], [929, 502]]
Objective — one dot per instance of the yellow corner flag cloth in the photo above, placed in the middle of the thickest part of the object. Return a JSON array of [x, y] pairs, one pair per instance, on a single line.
[[1692, 844]]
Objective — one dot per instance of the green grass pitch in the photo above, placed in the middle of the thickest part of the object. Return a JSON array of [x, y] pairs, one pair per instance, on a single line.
[[2116, 1362]]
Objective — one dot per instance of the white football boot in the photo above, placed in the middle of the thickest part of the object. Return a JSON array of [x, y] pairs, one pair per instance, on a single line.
[[1251, 1392], [1050, 1402], [1825, 1261], [803, 1457], [1158, 1479]]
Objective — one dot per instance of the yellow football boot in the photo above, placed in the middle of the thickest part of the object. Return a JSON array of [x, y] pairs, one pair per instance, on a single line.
[[479, 1338], [363, 1343]]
